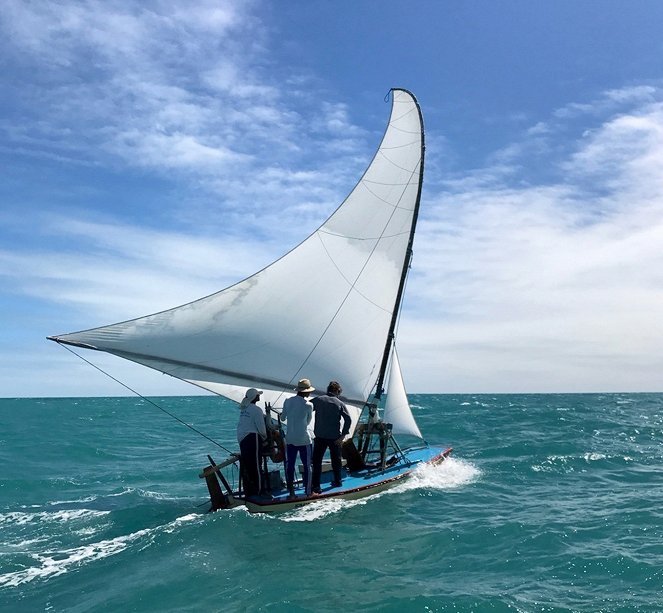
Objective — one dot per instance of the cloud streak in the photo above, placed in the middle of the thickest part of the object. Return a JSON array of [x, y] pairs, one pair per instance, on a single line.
[[551, 286], [188, 97], [538, 271]]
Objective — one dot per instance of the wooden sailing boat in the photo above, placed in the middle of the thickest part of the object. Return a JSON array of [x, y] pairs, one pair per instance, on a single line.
[[327, 310]]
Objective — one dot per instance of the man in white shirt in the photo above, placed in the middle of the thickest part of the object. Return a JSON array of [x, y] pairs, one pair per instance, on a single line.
[[298, 413], [251, 431]]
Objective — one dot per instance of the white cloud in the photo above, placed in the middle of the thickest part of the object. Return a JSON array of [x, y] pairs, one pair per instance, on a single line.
[[192, 99], [541, 271], [548, 287], [117, 271], [176, 151]]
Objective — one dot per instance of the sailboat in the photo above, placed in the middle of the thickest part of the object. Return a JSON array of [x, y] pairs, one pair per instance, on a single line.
[[326, 310]]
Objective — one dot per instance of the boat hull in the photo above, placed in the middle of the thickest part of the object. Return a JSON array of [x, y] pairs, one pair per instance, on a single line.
[[355, 485]]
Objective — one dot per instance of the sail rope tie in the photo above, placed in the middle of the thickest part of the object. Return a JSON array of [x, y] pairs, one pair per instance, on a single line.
[[154, 404]]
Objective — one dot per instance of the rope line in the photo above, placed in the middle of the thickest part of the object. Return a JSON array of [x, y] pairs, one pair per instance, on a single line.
[[358, 276], [154, 404]]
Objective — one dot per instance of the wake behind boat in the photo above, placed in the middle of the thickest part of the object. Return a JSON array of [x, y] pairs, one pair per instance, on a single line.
[[272, 329]]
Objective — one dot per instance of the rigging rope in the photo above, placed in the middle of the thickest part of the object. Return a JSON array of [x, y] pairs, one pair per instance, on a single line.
[[154, 404], [353, 284]]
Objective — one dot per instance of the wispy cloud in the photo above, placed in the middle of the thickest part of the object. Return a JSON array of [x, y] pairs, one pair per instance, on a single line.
[[540, 270], [119, 271], [174, 89], [548, 286]]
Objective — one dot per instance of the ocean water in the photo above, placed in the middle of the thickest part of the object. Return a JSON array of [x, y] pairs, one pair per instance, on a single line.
[[549, 503]]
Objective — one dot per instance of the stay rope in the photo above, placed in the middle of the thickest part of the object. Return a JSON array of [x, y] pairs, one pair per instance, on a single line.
[[353, 284], [154, 404]]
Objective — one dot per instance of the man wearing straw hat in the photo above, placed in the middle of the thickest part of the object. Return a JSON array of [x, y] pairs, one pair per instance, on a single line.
[[298, 413]]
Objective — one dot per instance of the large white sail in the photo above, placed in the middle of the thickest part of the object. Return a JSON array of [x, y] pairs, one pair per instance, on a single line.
[[397, 411], [323, 311]]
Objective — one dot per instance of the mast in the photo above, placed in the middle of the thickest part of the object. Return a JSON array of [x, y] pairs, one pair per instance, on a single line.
[[408, 256]]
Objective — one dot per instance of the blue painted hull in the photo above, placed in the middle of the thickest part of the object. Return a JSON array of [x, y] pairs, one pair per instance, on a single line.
[[355, 485]]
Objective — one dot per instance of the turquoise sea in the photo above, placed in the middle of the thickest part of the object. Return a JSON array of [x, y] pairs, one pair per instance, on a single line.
[[550, 503]]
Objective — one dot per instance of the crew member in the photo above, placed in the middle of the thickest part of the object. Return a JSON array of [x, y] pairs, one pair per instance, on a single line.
[[329, 411], [298, 413], [251, 431]]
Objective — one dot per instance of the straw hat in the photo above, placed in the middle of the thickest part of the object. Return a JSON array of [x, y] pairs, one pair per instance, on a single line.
[[304, 385]]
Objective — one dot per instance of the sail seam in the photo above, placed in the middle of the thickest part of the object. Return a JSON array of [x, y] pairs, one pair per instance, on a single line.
[[350, 283], [395, 206], [414, 142], [365, 238], [385, 183], [408, 112], [400, 167], [402, 131]]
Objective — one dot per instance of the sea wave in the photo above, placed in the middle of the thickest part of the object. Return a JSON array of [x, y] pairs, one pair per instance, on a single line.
[[321, 509], [572, 462], [55, 562], [451, 473], [20, 518]]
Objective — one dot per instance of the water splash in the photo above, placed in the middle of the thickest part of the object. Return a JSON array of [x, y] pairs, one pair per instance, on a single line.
[[55, 562], [19, 518], [451, 473]]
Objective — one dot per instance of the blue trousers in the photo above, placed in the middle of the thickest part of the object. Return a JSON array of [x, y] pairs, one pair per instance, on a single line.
[[304, 452]]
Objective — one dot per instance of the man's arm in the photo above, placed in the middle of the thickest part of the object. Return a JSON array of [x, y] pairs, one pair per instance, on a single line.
[[259, 420], [347, 421]]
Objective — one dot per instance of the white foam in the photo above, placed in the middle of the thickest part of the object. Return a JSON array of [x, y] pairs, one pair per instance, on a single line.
[[90, 531], [180, 520], [19, 518], [75, 501], [553, 462], [156, 495], [451, 473], [323, 508], [52, 563]]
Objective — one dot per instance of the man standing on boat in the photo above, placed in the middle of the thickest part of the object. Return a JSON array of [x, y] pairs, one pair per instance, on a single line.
[[251, 431], [329, 410], [298, 413]]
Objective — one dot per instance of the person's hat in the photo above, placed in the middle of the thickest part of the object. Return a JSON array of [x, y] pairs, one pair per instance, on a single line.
[[251, 394], [304, 385]]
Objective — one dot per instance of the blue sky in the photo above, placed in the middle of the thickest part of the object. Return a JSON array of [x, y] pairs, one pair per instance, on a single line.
[[154, 152]]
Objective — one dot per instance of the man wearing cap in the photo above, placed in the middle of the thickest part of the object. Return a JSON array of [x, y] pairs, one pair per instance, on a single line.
[[298, 413], [251, 431], [329, 410]]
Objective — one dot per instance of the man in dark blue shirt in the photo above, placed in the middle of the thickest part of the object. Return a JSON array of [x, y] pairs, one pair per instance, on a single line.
[[329, 410]]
